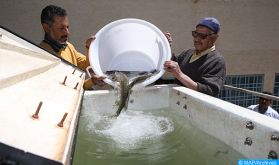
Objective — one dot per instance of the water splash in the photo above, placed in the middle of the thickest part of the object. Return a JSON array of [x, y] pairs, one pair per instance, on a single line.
[[131, 128]]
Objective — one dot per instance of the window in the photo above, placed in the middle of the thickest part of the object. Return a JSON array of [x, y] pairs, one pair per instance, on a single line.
[[275, 104], [251, 82]]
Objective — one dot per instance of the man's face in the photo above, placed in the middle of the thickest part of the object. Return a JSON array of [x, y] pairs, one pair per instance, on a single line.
[[59, 29], [264, 103], [203, 38]]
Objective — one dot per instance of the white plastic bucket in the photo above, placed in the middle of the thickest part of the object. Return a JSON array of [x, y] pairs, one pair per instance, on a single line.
[[129, 45]]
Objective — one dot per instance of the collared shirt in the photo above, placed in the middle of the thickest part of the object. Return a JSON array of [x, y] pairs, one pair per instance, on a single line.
[[209, 71], [269, 112], [71, 55], [196, 56]]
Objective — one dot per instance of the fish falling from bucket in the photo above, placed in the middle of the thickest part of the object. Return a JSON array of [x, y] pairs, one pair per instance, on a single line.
[[124, 87]]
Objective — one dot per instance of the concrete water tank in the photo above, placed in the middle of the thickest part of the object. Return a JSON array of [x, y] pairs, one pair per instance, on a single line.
[[42, 99]]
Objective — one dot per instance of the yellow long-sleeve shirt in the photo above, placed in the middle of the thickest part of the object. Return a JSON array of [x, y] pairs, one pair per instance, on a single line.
[[71, 55]]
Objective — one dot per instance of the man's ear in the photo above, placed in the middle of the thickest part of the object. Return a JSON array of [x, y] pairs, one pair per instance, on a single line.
[[45, 27], [215, 36]]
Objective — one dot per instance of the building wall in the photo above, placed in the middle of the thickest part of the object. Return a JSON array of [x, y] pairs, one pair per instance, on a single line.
[[248, 39]]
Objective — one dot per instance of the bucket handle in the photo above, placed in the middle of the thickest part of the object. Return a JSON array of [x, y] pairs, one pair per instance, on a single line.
[[88, 72], [107, 80]]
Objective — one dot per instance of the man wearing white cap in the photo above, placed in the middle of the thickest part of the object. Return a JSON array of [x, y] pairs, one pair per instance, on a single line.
[[202, 69]]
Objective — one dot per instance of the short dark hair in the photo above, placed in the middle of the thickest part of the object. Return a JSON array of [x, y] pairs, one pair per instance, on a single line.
[[268, 93], [50, 11]]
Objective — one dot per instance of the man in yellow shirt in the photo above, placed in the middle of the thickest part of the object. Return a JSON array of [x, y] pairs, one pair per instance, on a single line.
[[55, 23]]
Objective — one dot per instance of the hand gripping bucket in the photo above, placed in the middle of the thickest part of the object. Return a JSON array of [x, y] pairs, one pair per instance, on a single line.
[[129, 45]]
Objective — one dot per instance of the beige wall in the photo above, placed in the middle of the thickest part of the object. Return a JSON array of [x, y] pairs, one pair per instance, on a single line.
[[249, 35]]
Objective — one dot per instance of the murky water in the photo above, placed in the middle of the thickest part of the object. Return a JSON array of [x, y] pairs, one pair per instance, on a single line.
[[158, 137]]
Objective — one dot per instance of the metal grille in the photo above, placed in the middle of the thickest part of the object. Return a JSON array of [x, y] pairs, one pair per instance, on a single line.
[[275, 104], [253, 82]]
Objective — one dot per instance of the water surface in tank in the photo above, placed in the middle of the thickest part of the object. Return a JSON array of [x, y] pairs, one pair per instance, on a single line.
[[155, 136]]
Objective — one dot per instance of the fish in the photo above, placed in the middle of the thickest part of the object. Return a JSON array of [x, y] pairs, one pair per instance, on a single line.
[[220, 151], [125, 86], [123, 90]]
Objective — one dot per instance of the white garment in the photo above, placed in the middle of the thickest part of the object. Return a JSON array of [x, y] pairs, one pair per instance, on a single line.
[[270, 112]]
